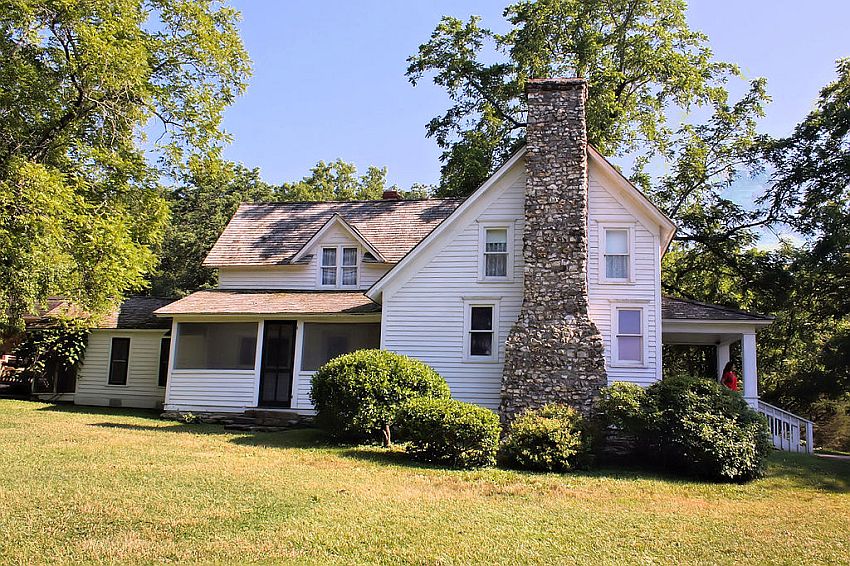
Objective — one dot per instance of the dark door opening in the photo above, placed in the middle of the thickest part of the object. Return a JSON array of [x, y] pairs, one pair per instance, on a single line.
[[276, 370]]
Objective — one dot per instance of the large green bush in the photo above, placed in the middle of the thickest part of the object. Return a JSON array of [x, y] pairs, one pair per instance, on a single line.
[[450, 432], [553, 438], [357, 395], [695, 426]]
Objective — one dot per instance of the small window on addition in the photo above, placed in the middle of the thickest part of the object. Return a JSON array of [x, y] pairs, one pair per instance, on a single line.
[[617, 254], [481, 342], [495, 252], [630, 336], [119, 358]]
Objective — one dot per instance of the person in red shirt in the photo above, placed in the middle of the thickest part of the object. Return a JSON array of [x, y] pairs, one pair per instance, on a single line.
[[730, 378]]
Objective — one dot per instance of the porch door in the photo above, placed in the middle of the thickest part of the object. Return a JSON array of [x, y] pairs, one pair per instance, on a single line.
[[276, 370]]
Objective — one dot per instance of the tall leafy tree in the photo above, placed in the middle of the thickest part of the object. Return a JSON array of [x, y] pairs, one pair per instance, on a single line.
[[81, 82], [337, 180], [640, 57]]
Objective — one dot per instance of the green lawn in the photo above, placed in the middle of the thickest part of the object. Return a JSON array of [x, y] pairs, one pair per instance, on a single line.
[[87, 485]]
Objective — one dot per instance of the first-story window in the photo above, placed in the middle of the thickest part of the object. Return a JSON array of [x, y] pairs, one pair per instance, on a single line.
[[323, 342], [119, 359], [164, 351], [216, 345], [629, 335], [480, 333], [339, 267], [617, 254]]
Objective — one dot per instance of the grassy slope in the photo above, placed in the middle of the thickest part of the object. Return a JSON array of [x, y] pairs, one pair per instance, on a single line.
[[86, 485]]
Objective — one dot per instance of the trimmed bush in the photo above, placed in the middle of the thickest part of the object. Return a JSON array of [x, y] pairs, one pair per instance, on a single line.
[[357, 395], [553, 438], [450, 432], [695, 426]]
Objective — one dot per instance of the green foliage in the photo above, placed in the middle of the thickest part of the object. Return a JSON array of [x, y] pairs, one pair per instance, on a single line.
[[640, 58], [357, 395], [63, 341], [832, 431], [83, 211], [337, 180], [553, 438], [693, 425], [449, 432]]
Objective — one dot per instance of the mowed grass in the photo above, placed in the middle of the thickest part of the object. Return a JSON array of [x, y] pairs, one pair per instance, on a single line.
[[86, 485]]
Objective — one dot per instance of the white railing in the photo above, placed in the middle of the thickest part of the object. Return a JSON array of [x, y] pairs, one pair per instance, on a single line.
[[788, 431]]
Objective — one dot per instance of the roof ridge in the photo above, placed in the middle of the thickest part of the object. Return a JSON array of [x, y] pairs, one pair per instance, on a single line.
[[719, 307], [360, 201]]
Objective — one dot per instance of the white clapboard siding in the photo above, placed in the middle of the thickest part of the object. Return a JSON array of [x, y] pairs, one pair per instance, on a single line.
[[211, 390], [643, 291], [142, 389], [424, 316], [300, 276]]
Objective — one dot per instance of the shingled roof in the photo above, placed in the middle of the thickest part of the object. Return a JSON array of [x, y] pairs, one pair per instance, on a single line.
[[253, 302], [135, 312], [674, 308], [271, 234]]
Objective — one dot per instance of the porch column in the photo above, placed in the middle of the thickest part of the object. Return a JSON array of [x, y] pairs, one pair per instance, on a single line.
[[748, 353], [722, 357]]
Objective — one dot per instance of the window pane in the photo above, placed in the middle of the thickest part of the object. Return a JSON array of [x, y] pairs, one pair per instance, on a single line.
[[216, 345], [349, 276], [329, 276], [496, 265], [617, 266], [482, 318], [629, 348], [328, 256], [349, 256], [617, 242], [496, 240], [323, 342], [480, 343], [629, 321], [120, 349]]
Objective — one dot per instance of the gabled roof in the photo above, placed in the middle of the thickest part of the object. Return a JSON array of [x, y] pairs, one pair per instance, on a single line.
[[254, 302], [272, 234], [675, 308], [337, 220]]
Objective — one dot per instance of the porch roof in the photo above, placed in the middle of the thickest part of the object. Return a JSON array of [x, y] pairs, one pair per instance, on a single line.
[[253, 302], [678, 309]]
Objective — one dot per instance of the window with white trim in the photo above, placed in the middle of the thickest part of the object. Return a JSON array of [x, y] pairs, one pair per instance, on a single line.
[[338, 266], [617, 256], [495, 252], [629, 336], [481, 323]]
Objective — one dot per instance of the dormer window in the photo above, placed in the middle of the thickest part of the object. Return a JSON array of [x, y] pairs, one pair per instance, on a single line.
[[617, 253], [339, 267], [495, 262]]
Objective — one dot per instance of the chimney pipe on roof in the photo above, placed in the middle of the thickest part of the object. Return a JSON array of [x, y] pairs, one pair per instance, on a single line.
[[391, 194]]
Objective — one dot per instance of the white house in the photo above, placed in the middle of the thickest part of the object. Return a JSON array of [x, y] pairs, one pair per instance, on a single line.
[[542, 285]]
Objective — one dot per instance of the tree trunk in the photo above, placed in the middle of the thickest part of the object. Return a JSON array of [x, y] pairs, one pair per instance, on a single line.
[[385, 433]]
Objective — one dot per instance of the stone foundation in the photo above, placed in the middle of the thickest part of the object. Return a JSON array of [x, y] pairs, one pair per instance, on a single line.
[[554, 353]]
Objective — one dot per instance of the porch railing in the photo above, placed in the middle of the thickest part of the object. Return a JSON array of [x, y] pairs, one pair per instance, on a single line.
[[788, 431]]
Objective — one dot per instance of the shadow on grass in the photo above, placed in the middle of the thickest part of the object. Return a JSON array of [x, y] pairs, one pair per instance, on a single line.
[[107, 411], [812, 472]]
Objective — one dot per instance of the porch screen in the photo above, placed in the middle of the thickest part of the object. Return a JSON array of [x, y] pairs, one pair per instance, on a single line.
[[216, 345], [323, 342]]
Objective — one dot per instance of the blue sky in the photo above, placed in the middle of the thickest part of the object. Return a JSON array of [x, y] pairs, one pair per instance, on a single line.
[[329, 75]]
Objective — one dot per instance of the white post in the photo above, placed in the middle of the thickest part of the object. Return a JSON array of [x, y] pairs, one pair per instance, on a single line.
[[722, 358], [810, 438], [748, 353]]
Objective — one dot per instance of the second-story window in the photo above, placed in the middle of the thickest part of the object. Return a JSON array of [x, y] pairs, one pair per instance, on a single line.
[[496, 252], [616, 254], [339, 267]]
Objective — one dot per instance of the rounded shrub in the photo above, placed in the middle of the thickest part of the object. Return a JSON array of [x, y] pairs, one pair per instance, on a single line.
[[553, 438], [706, 430], [450, 432], [692, 425], [357, 395]]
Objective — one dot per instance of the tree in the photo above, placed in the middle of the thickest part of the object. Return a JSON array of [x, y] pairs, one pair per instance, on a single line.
[[337, 180], [201, 206], [80, 81], [640, 58]]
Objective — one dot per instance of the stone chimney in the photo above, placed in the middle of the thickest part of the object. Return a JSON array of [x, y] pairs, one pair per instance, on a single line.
[[554, 353], [391, 194]]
